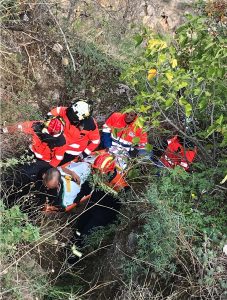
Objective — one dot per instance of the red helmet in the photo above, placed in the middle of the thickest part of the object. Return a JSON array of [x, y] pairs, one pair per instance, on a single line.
[[54, 126], [105, 163]]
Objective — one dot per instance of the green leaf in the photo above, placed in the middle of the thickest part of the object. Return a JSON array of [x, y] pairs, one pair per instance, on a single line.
[[188, 109], [182, 85], [174, 63], [136, 140], [169, 102], [139, 39], [144, 108], [155, 123], [203, 103], [169, 76], [148, 147], [220, 120], [182, 101]]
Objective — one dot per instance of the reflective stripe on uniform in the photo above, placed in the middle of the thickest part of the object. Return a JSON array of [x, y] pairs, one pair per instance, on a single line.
[[74, 145], [168, 160], [96, 142], [116, 143], [73, 152], [37, 154], [59, 157], [104, 163], [87, 151], [184, 164], [106, 129]]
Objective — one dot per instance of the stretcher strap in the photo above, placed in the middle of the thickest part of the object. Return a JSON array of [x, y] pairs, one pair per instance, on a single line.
[[68, 180]]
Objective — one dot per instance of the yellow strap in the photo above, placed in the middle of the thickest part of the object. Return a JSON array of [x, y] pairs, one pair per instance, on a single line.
[[68, 183]]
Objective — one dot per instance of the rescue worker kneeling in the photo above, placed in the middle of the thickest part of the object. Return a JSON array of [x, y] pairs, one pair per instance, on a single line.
[[46, 150], [81, 130], [71, 182], [122, 132]]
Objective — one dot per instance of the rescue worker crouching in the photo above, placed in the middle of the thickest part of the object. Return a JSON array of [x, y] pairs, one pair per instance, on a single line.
[[71, 182], [105, 164], [67, 182], [81, 130], [47, 147], [120, 131]]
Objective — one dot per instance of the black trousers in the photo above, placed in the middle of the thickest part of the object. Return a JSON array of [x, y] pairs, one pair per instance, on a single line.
[[101, 210], [17, 182]]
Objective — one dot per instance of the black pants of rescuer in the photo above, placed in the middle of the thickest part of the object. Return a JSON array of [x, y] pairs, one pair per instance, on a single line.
[[101, 210], [18, 181]]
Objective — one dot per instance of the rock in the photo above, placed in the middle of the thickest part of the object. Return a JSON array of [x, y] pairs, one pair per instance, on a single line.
[[25, 17], [65, 61], [225, 249], [56, 95], [57, 48], [150, 10], [132, 241], [122, 88]]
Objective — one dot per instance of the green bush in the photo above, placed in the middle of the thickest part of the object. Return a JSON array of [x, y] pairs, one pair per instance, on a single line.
[[181, 82], [21, 275], [185, 217]]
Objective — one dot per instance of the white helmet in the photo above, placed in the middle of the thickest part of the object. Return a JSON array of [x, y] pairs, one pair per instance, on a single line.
[[81, 109]]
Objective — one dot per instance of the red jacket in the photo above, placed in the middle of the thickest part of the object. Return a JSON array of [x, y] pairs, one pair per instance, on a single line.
[[123, 134], [77, 140], [176, 155], [40, 149]]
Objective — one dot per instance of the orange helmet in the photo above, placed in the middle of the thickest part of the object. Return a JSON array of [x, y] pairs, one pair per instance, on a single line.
[[105, 163]]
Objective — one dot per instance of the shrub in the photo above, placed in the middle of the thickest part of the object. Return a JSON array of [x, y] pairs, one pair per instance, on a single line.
[[21, 276]]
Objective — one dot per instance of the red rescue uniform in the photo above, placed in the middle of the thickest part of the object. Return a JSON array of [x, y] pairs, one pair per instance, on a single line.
[[40, 149], [123, 134], [78, 141], [176, 155]]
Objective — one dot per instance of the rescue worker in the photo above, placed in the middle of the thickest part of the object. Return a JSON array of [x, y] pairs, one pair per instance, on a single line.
[[122, 133], [67, 182], [106, 164], [72, 187], [178, 155], [81, 130], [48, 143], [103, 205]]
